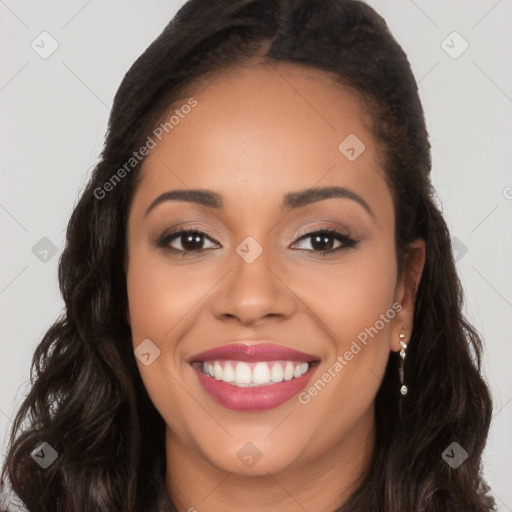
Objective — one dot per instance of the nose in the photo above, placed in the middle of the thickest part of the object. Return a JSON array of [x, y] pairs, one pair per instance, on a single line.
[[253, 292]]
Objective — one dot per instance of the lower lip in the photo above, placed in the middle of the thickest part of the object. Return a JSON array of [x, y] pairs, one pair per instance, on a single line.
[[257, 398]]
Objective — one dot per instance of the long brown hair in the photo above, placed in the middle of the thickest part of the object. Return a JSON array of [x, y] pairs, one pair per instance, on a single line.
[[87, 399]]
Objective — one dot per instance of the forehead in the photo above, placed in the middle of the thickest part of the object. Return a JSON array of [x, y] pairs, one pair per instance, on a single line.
[[263, 130]]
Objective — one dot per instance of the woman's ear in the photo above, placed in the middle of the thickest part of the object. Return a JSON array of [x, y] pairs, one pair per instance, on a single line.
[[405, 292]]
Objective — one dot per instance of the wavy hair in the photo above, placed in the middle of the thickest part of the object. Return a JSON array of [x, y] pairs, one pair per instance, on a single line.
[[87, 399]]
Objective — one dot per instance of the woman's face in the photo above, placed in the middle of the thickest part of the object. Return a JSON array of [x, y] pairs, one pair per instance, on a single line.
[[255, 141]]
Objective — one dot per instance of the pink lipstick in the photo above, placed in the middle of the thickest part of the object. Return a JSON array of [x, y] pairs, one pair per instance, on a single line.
[[245, 377]]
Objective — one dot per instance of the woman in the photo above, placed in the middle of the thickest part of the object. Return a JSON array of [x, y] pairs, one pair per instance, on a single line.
[[262, 306]]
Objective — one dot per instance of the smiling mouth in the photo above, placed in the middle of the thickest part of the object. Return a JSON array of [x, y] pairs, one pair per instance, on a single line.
[[253, 377], [254, 374]]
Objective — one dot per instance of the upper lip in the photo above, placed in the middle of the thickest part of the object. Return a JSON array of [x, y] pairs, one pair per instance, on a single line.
[[245, 351]]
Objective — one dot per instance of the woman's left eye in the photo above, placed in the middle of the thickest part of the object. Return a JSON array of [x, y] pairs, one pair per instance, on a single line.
[[322, 241], [192, 242]]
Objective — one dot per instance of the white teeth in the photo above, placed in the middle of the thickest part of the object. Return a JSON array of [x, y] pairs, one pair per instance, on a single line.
[[243, 373], [288, 371], [262, 373], [228, 374], [217, 371], [277, 372]]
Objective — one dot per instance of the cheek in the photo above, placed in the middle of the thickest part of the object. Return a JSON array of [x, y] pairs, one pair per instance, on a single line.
[[354, 302], [159, 298], [358, 316], [161, 294], [154, 307], [367, 293], [350, 296], [163, 299]]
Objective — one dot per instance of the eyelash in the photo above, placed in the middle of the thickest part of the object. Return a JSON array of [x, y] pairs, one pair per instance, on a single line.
[[347, 241]]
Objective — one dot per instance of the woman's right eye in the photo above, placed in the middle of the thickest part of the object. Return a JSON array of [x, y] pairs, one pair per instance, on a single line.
[[189, 242]]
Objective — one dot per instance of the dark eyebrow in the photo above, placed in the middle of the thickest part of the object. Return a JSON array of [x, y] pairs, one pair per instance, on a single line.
[[204, 197], [312, 195], [291, 200]]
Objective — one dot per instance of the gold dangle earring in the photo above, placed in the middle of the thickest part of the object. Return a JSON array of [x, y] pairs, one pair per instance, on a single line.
[[403, 387]]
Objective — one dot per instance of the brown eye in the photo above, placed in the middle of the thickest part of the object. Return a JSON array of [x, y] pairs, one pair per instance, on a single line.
[[185, 241], [323, 241]]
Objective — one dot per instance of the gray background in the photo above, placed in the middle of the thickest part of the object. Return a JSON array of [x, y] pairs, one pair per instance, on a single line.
[[55, 110]]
